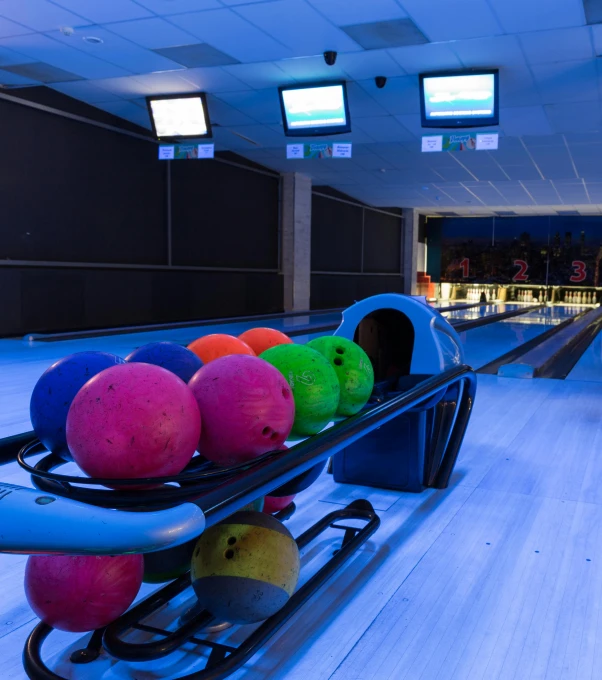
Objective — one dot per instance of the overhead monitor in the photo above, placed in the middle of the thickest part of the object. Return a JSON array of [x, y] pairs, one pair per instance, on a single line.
[[460, 99], [179, 116], [314, 110]]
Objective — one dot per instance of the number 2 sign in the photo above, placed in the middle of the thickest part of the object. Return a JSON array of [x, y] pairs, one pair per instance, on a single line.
[[521, 274]]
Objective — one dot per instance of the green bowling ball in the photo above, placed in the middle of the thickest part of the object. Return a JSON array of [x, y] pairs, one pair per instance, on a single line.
[[353, 368], [245, 568], [313, 381]]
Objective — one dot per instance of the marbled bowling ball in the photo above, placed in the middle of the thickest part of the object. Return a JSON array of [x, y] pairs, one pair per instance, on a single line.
[[246, 568]]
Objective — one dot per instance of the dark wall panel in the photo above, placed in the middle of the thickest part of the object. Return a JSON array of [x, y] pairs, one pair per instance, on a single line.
[[336, 236], [71, 192], [223, 216], [332, 290], [382, 242], [54, 299]]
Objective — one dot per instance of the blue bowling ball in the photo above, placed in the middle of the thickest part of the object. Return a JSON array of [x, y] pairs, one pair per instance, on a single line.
[[168, 355], [56, 389]]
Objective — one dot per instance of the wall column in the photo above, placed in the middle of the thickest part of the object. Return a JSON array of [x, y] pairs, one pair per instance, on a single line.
[[296, 241], [411, 266]]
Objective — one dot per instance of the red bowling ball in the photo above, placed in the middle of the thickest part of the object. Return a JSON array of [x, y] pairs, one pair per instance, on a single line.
[[247, 408], [132, 421], [82, 593], [272, 504]]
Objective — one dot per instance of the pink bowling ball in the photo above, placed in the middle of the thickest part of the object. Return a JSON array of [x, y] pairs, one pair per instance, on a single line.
[[272, 504], [247, 408], [131, 421]]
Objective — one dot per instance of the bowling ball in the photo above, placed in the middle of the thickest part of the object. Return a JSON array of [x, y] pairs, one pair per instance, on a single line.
[[134, 420], [211, 347], [168, 355], [245, 568], [246, 406], [56, 389], [83, 593], [260, 339], [274, 504], [353, 368], [314, 383]]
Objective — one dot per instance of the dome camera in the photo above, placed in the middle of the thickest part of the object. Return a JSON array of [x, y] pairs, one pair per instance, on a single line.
[[330, 57], [380, 82]]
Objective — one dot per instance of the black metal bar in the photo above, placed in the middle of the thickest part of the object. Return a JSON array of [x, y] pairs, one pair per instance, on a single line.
[[233, 493], [10, 446], [33, 664], [462, 326]]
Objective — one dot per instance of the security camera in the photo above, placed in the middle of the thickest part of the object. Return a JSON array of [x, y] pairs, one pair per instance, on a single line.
[[330, 57], [380, 82]]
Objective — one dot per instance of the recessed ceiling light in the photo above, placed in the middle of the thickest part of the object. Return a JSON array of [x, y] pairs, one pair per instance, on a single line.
[[383, 170], [93, 40]]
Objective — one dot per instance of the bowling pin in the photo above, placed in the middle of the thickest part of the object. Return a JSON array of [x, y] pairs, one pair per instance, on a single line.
[[579, 297], [567, 296]]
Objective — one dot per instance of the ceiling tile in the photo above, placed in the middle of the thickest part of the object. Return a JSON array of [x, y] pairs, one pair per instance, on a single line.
[[361, 104], [260, 76], [525, 120], [386, 34], [261, 134], [261, 105], [383, 129], [400, 96], [496, 51], [152, 33], [521, 172], [574, 81], [363, 65], [233, 35], [343, 12], [86, 91], [117, 50], [196, 55], [421, 58], [517, 87], [40, 15], [568, 117], [11, 57], [566, 44], [311, 69], [521, 16], [213, 79], [44, 49], [105, 11], [298, 26], [43, 73], [10, 28], [442, 20], [165, 7], [12, 79]]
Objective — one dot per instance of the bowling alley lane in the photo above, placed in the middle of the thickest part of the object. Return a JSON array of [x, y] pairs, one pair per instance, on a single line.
[[589, 366], [486, 343]]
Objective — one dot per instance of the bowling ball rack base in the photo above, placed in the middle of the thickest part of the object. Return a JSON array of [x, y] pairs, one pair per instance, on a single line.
[[222, 659]]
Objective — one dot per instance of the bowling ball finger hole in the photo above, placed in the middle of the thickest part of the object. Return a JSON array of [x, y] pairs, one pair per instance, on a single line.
[[267, 431], [229, 554], [232, 540], [274, 436], [286, 393], [340, 350], [338, 361]]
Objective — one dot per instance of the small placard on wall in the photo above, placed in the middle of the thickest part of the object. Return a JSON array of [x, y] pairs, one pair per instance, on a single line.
[[166, 153], [294, 150], [487, 142], [341, 150], [206, 150], [432, 143]]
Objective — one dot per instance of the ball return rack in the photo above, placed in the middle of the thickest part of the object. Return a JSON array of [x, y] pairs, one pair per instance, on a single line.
[[175, 510]]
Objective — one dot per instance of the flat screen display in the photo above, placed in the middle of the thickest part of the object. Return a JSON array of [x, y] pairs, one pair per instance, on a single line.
[[315, 110], [179, 116], [459, 100]]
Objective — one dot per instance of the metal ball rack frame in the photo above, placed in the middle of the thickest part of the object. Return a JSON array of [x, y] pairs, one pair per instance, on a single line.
[[219, 493]]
